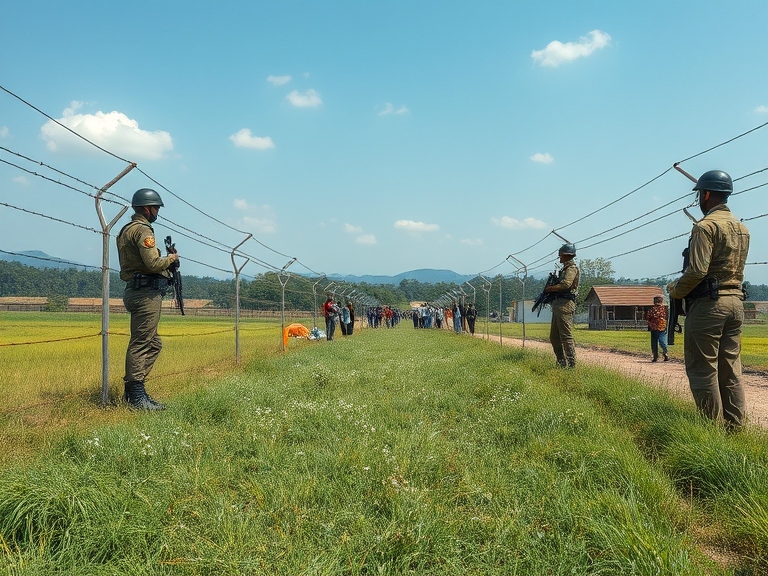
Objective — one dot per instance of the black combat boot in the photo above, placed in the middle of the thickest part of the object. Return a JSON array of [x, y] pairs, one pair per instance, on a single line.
[[154, 402], [138, 399]]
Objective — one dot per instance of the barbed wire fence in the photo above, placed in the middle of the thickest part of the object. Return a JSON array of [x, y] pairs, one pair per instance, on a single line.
[[64, 181], [69, 183]]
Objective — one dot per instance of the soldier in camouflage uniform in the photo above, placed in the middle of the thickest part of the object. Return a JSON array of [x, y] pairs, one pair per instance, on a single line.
[[712, 287], [563, 306], [146, 275]]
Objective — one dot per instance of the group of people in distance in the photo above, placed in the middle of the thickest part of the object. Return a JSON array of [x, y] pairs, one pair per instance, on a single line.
[[459, 318], [711, 286], [336, 313], [376, 316]]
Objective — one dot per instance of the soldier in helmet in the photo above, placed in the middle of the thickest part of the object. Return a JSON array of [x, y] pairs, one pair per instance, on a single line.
[[145, 272], [563, 306], [711, 285]]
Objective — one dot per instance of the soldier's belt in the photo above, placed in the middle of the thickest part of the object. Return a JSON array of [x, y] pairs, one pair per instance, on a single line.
[[150, 281], [564, 295]]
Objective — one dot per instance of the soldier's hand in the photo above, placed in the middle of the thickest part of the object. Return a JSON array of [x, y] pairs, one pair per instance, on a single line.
[[174, 257]]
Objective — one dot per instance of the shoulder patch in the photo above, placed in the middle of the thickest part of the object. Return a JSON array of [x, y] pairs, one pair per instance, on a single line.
[[149, 241]]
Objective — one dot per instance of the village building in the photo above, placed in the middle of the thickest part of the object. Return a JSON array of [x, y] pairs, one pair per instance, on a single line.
[[620, 307]]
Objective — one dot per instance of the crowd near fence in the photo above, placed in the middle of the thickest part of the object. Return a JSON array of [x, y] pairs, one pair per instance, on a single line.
[[544, 253]]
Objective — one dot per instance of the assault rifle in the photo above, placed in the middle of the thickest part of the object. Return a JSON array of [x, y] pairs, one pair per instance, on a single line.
[[175, 281], [676, 308], [545, 297]]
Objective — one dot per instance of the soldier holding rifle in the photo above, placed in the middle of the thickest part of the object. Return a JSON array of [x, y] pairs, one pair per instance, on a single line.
[[711, 285], [147, 277], [563, 302]]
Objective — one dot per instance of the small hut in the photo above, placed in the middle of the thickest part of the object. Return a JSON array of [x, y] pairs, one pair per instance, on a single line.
[[620, 307]]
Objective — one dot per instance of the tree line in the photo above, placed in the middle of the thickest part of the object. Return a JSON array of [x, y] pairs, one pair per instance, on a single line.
[[264, 291]]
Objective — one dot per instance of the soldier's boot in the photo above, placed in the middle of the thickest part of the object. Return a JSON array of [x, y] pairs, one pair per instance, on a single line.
[[151, 400], [138, 399], [571, 362]]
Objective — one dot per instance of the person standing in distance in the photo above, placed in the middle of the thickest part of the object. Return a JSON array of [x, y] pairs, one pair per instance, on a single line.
[[712, 287], [145, 272], [331, 313], [563, 307], [656, 318]]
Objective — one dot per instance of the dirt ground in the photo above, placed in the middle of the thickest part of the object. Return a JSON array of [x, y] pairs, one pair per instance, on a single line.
[[669, 375]]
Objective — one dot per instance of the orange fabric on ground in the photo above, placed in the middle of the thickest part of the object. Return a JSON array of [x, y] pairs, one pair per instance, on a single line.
[[295, 330]]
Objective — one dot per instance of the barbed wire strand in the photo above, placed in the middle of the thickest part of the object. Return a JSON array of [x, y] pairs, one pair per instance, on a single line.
[[67, 128], [50, 341], [60, 183], [140, 171]]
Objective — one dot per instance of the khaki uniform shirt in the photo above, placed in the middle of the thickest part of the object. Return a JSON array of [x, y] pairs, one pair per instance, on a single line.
[[718, 249], [137, 250], [568, 279]]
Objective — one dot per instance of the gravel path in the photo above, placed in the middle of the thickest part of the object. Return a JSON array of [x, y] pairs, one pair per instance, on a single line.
[[669, 375]]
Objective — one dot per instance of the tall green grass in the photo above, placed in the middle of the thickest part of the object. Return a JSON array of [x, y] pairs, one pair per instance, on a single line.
[[51, 374], [394, 452]]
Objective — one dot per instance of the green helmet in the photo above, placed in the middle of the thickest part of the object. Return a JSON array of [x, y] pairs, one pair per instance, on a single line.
[[146, 197], [715, 181], [569, 249]]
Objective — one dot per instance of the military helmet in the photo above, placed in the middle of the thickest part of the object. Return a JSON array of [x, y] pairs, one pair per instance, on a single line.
[[715, 181], [568, 249], [146, 197]]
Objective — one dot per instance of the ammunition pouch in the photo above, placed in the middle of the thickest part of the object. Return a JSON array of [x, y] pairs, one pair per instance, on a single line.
[[154, 281], [563, 296], [709, 288]]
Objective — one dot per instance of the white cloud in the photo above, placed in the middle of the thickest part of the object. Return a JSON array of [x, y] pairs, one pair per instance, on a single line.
[[366, 239], [514, 223], [4, 131], [472, 242], [545, 158], [244, 139], [557, 53], [389, 108], [255, 219], [352, 229], [411, 226], [762, 109], [278, 80], [310, 99], [113, 131], [21, 180]]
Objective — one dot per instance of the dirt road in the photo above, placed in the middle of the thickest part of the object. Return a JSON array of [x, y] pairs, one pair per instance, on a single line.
[[669, 375]]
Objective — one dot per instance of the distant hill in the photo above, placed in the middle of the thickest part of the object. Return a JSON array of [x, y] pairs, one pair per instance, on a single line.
[[39, 259], [424, 275]]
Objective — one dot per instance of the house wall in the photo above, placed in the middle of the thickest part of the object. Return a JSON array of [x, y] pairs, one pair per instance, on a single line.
[[522, 309]]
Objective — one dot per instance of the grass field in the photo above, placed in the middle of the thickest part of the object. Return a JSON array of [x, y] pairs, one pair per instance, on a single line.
[[390, 452], [52, 368]]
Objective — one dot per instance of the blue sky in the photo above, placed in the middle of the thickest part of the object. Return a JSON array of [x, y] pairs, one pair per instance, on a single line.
[[380, 137]]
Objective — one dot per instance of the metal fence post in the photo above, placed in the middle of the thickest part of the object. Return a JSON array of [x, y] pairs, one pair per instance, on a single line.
[[237, 296], [105, 235]]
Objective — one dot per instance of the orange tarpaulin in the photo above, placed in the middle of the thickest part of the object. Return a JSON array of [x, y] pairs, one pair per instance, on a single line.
[[295, 331]]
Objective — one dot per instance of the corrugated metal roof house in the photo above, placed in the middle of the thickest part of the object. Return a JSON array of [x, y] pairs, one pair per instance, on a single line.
[[620, 307]]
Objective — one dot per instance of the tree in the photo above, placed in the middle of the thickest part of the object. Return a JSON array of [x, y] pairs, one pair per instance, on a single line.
[[598, 269], [593, 272]]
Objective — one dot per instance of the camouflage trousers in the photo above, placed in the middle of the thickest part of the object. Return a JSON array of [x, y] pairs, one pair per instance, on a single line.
[[713, 357], [561, 332], [144, 346]]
